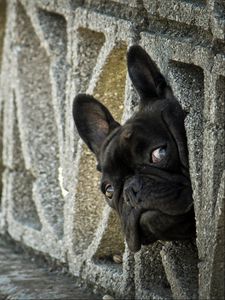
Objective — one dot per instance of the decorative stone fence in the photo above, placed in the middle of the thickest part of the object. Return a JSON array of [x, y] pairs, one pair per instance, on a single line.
[[52, 49]]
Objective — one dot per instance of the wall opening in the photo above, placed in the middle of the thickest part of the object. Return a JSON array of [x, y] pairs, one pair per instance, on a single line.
[[187, 81], [88, 47], [90, 202], [37, 123], [23, 206], [54, 28]]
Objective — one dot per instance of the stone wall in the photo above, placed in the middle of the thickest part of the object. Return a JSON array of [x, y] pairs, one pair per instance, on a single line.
[[50, 51]]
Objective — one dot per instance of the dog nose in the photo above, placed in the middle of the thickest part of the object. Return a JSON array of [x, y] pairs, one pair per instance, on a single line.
[[131, 191], [136, 184]]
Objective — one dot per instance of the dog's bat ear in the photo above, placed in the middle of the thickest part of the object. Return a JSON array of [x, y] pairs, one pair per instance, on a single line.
[[145, 76], [93, 121], [173, 116]]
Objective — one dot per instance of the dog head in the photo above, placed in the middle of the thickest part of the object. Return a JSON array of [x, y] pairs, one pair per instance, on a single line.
[[144, 163]]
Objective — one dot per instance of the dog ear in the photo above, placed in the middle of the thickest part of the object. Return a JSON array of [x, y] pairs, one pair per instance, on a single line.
[[145, 76], [93, 121], [173, 116]]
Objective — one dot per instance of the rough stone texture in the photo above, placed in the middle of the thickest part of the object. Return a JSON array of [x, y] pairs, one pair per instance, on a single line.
[[50, 200], [24, 276]]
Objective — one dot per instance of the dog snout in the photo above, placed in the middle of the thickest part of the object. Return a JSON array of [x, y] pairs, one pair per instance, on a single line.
[[132, 190]]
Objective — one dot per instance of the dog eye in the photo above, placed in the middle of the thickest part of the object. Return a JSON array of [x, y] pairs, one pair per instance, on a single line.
[[158, 154], [109, 190]]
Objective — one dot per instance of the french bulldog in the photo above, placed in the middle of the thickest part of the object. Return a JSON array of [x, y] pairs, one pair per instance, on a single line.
[[144, 163]]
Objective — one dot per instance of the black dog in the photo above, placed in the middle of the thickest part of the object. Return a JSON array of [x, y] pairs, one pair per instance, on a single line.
[[144, 163]]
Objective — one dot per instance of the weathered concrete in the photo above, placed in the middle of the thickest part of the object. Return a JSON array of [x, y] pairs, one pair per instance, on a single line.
[[50, 198]]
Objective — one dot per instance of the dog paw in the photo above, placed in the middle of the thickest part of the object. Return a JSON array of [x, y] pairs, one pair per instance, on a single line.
[[118, 259]]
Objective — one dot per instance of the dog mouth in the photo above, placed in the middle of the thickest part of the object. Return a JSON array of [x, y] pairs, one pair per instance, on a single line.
[[156, 211], [144, 228], [137, 235], [134, 233], [131, 230], [130, 224]]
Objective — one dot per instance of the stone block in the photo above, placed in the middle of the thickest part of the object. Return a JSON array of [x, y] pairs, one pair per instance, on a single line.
[[50, 196]]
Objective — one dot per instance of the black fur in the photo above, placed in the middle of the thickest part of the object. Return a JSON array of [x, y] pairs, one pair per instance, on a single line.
[[152, 198]]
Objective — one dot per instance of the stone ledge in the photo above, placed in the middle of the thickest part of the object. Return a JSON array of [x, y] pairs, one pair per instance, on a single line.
[[23, 276]]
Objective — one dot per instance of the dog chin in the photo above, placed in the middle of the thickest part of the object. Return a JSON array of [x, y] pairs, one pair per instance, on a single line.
[[153, 225], [166, 227], [136, 233]]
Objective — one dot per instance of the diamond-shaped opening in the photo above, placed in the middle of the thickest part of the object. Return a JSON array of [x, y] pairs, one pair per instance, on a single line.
[[187, 81], [88, 46], [54, 28], [111, 247], [2, 26], [37, 120], [89, 200], [23, 207]]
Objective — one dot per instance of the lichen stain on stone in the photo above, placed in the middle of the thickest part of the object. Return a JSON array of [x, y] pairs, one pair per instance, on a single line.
[[2, 26], [89, 201], [110, 87], [89, 45]]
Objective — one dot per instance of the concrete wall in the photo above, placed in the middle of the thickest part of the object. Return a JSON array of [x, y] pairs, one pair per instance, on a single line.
[[50, 200]]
